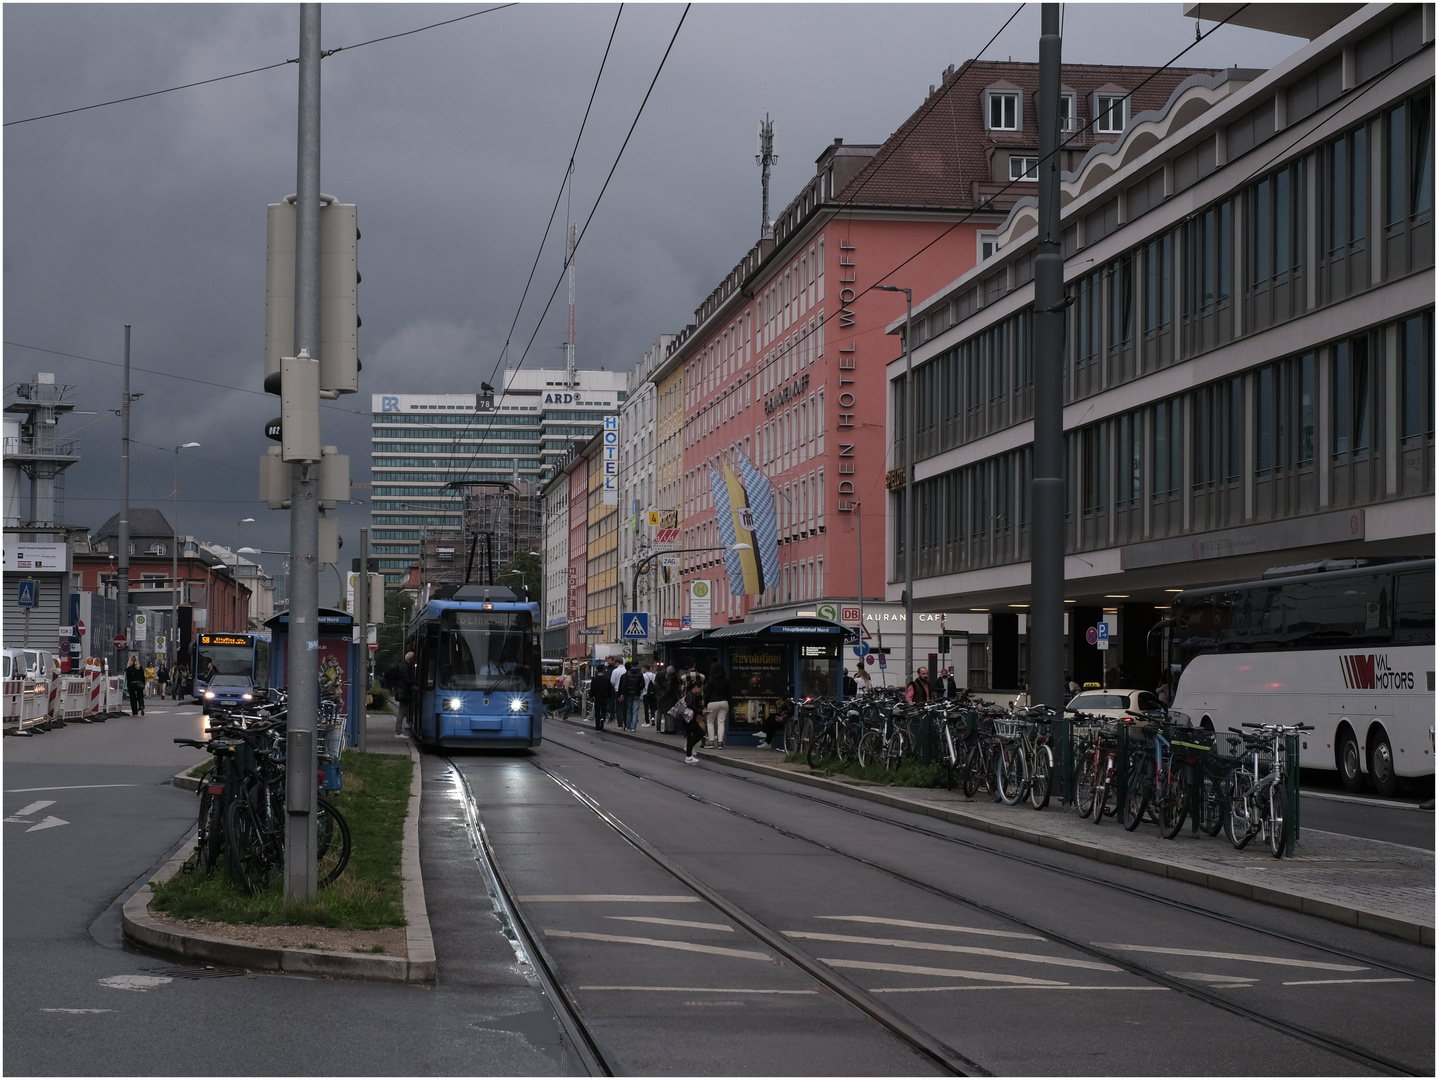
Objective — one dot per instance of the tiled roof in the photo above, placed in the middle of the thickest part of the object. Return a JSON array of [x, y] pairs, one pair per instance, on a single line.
[[145, 524], [941, 154]]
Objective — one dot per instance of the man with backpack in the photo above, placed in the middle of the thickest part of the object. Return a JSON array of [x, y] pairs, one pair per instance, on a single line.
[[631, 695], [600, 693]]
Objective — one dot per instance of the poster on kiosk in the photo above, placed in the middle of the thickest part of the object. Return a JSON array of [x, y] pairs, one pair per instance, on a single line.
[[336, 657]]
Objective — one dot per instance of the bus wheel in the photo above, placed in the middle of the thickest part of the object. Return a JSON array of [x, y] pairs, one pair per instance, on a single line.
[[1380, 764], [1350, 768]]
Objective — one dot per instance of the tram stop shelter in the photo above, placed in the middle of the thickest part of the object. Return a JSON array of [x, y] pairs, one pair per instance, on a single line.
[[337, 656], [768, 663]]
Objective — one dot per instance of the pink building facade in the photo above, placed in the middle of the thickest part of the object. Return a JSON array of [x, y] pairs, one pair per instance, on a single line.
[[578, 554]]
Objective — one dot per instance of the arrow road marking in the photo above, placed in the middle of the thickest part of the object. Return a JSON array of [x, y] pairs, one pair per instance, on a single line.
[[682, 946], [972, 950], [50, 822], [672, 922], [26, 811], [932, 926], [1281, 961]]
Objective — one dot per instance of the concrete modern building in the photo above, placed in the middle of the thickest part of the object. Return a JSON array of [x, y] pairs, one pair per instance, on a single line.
[[1248, 379], [425, 447]]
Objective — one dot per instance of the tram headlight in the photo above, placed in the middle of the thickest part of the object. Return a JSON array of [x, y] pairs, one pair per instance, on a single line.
[[453, 704], [519, 704]]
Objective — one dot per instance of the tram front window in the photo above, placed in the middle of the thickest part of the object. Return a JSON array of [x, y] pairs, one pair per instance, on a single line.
[[488, 651]]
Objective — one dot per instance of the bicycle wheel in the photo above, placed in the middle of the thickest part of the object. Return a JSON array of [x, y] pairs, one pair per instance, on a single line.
[[1140, 784], [969, 771], [792, 733], [1041, 777], [1240, 817], [249, 861], [1085, 784], [871, 747], [1173, 808], [821, 746], [332, 843], [899, 747], [1210, 806], [1277, 823], [1010, 773], [211, 839]]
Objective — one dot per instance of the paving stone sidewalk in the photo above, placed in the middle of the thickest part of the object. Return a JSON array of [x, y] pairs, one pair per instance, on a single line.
[[1383, 886]]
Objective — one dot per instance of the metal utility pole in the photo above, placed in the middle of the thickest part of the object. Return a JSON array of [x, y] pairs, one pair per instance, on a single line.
[[569, 336], [765, 159], [361, 672], [175, 557], [1046, 613], [302, 674], [911, 546], [122, 591]]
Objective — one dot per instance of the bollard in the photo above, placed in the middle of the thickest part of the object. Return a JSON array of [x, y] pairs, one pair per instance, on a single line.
[[96, 712], [1290, 751], [52, 715]]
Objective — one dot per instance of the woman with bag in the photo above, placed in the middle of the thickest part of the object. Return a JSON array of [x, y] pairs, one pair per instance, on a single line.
[[135, 686]]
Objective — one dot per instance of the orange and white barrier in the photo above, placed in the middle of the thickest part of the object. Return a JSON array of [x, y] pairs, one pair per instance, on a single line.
[[74, 696], [114, 695], [92, 672], [14, 711], [52, 712]]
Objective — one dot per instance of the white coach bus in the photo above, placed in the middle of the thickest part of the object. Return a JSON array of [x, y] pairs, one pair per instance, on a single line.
[[1346, 646]]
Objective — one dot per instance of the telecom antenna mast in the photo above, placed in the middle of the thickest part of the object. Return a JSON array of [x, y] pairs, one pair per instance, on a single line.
[[569, 336], [764, 159]]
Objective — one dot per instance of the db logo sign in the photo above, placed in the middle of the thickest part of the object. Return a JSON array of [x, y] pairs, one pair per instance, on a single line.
[[849, 614]]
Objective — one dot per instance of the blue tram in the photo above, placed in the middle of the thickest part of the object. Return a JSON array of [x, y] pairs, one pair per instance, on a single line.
[[477, 669]]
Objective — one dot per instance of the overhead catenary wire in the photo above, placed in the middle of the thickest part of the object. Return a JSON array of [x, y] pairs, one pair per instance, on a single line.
[[249, 71]]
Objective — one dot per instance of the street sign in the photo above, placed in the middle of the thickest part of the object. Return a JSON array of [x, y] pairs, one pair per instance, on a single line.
[[850, 613], [65, 632], [861, 649], [1091, 635], [826, 611], [121, 641], [80, 628], [669, 560], [592, 631], [666, 536], [26, 592], [944, 643], [1101, 631], [636, 624], [882, 664]]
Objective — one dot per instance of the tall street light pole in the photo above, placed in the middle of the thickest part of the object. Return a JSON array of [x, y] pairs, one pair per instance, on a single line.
[[175, 556], [245, 625], [123, 568], [911, 547]]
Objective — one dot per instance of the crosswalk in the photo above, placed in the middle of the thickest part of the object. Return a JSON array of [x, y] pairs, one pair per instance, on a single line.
[[880, 952]]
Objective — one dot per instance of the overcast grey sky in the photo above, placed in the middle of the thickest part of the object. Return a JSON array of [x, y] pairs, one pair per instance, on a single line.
[[453, 143]]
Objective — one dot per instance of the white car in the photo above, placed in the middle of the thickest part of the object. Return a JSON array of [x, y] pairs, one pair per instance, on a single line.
[[1116, 702]]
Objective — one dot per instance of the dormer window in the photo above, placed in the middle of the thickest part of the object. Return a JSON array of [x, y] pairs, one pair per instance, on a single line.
[[1068, 111], [1110, 113], [1023, 168], [1002, 112]]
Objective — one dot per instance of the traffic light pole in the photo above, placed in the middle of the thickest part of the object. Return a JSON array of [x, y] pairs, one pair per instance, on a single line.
[[303, 645]]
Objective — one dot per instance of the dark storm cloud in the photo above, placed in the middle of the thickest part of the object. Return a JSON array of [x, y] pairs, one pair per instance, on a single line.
[[453, 144]]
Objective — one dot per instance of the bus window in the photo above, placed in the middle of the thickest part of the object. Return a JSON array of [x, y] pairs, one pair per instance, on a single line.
[[1413, 601]]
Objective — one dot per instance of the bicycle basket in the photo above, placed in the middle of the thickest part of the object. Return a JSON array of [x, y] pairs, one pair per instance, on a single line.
[[1009, 729]]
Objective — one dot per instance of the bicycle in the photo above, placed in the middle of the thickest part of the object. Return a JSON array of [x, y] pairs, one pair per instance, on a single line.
[[1038, 755], [1259, 800], [1096, 763]]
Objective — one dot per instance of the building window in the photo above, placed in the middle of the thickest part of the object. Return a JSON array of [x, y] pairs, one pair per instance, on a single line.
[[1416, 338], [1023, 168], [1003, 110], [1110, 112], [988, 244], [1068, 112]]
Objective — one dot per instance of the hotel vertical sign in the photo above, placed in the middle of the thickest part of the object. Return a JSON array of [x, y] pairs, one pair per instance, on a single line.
[[610, 458], [848, 364]]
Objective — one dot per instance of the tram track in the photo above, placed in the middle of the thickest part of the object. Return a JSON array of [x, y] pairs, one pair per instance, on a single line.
[[1370, 1059]]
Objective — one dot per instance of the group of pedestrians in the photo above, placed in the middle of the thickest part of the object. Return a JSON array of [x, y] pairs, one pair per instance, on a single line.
[[148, 681], [623, 693]]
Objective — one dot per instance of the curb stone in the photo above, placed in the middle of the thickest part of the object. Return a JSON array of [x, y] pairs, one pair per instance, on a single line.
[[419, 967], [1330, 910]]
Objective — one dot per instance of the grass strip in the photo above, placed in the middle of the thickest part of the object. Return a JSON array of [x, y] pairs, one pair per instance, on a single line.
[[908, 774], [367, 896]]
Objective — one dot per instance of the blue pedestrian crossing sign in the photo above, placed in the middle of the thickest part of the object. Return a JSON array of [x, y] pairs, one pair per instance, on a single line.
[[635, 624], [25, 593]]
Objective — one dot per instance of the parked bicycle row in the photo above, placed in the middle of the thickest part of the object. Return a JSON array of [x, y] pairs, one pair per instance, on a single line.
[[242, 796], [1137, 767]]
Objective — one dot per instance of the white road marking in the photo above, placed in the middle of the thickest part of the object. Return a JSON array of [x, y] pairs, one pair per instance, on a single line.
[[50, 822], [1281, 961], [682, 946], [605, 898], [139, 983], [953, 989], [946, 973], [699, 990], [26, 811], [77, 1012], [971, 950], [932, 926], [68, 787], [672, 922], [1221, 980], [1338, 982]]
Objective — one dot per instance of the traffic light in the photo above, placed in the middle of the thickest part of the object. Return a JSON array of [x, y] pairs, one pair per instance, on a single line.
[[339, 294]]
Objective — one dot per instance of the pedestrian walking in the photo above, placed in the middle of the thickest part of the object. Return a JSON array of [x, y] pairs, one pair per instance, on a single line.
[[631, 695], [177, 681], [616, 672], [400, 680], [861, 676], [694, 721], [716, 704], [651, 701], [162, 680], [600, 692], [150, 673], [135, 686]]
